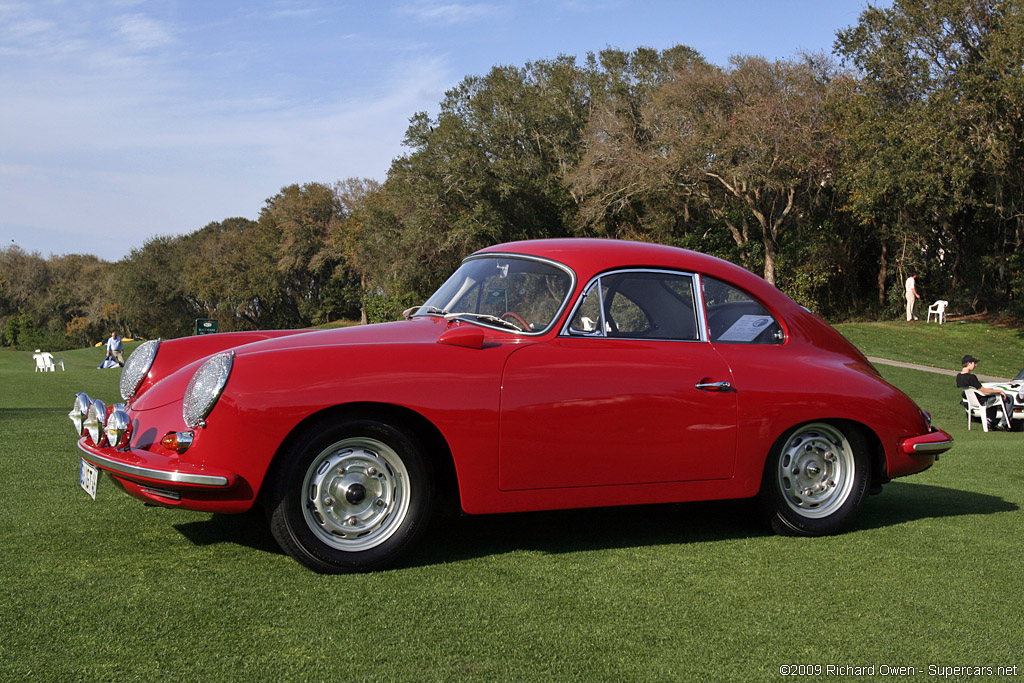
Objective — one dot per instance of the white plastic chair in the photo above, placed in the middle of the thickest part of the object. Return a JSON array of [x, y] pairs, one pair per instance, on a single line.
[[938, 309], [976, 408], [45, 361], [41, 365]]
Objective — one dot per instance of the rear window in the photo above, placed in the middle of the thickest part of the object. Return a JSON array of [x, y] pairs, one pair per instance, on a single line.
[[735, 317]]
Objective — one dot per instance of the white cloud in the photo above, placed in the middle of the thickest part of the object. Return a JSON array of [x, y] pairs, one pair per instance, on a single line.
[[115, 149], [142, 32], [449, 13], [124, 119]]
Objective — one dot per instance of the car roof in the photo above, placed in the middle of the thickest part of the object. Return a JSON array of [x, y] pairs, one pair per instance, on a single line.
[[589, 256]]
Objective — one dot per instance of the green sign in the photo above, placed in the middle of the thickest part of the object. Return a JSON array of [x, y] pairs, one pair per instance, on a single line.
[[206, 326]]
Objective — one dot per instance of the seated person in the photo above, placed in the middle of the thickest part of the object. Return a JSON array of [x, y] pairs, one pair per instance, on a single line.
[[995, 397]]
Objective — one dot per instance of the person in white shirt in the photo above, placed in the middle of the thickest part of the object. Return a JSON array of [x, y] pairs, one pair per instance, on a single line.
[[912, 297], [115, 347]]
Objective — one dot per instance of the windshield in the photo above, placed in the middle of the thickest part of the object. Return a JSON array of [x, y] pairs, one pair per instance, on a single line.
[[513, 293]]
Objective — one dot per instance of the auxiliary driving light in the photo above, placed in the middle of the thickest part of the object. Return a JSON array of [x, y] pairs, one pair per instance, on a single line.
[[118, 428], [80, 411], [95, 421]]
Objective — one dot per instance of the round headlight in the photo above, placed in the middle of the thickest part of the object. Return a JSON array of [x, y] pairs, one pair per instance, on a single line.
[[117, 428], [137, 367], [96, 420], [80, 411], [205, 388]]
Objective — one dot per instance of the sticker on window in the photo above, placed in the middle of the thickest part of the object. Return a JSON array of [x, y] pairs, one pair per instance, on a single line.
[[747, 328]]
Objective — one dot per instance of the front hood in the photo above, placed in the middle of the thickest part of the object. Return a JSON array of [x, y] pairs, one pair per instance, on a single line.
[[421, 330]]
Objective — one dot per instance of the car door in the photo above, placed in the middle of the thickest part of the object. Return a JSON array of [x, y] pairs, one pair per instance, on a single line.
[[629, 393]]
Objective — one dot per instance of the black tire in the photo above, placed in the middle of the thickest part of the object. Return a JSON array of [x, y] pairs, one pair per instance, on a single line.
[[815, 480], [353, 496]]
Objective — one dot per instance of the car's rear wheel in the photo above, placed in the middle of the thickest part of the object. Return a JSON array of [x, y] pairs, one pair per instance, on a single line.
[[353, 496], [815, 480]]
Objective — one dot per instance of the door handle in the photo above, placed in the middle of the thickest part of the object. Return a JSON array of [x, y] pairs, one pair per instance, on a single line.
[[714, 386]]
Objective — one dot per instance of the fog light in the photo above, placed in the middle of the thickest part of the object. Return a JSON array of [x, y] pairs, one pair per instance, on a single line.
[[80, 411], [118, 427], [177, 441], [95, 420]]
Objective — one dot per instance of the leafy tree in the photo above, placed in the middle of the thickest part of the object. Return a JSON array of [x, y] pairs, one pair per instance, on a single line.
[[936, 136], [355, 245], [619, 181], [748, 145], [149, 290], [488, 168], [38, 296], [231, 274], [302, 219]]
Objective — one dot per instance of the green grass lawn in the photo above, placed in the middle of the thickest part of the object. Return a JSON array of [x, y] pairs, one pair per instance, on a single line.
[[999, 349], [111, 590]]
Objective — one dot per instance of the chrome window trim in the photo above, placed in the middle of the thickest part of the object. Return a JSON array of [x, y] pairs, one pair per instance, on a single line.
[[698, 310], [524, 257], [705, 330], [149, 473]]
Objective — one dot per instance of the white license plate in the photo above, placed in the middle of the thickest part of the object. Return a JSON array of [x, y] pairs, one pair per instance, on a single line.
[[88, 478]]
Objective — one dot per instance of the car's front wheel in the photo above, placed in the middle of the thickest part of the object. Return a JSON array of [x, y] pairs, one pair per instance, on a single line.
[[351, 496], [815, 480]]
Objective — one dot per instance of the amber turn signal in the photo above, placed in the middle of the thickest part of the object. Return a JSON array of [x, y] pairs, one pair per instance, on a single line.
[[177, 441]]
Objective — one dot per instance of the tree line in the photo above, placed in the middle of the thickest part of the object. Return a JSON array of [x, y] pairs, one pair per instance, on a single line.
[[835, 179]]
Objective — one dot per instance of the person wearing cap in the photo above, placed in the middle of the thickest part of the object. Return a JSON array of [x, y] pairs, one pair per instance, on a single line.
[[966, 378]]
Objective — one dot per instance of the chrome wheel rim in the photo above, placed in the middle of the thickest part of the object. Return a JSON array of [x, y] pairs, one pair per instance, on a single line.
[[356, 494], [816, 470]]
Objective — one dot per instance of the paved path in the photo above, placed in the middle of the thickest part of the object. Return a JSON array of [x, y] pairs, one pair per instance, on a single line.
[[928, 368]]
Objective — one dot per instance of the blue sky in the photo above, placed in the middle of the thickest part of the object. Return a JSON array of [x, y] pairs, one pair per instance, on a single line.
[[125, 119]]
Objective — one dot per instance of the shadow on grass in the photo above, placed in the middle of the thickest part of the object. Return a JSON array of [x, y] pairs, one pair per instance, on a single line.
[[248, 529], [902, 502], [567, 531]]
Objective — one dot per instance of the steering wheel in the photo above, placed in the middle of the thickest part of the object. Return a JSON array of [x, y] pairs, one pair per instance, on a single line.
[[516, 317]]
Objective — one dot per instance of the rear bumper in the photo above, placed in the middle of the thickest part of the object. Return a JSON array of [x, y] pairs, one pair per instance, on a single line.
[[930, 444]]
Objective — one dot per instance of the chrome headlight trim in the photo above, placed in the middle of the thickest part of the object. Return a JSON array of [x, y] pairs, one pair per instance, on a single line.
[[137, 367], [205, 388], [118, 428], [95, 421], [80, 411]]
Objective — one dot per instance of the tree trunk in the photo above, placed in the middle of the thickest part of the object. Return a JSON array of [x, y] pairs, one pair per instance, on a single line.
[[883, 272], [363, 319], [769, 259]]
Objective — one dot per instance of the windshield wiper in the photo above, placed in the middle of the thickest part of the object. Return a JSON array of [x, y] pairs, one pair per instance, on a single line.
[[432, 310], [486, 318], [422, 310]]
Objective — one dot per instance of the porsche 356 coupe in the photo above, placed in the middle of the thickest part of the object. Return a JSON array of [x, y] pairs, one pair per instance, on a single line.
[[542, 375]]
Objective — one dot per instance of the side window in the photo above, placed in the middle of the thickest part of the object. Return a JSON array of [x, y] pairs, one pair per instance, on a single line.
[[734, 317], [639, 305], [588, 318], [626, 315]]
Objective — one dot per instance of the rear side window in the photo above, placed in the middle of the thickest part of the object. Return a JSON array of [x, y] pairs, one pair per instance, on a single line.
[[735, 317]]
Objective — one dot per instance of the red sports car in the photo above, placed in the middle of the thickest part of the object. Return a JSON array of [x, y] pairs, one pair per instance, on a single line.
[[542, 375]]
